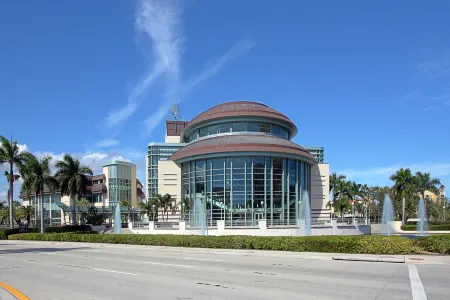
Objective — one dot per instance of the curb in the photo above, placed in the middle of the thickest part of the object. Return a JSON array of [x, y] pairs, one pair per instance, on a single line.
[[371, 259]]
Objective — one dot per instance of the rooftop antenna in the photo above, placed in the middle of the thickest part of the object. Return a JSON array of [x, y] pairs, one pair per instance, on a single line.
[[175, 111]]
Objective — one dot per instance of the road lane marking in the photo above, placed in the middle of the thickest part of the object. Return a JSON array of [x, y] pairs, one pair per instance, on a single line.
[[112, 271], [164, 264], [203, 259], [418, 293], [15, 293]]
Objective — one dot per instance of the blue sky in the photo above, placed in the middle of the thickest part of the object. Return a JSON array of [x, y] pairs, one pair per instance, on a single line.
[[369, 82]]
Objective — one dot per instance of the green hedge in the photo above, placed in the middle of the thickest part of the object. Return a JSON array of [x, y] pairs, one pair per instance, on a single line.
[[331, 244], [5, 232], [434, 243], [436, 227]]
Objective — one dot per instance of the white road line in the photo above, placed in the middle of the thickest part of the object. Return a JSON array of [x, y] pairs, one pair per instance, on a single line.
[[164, 264], [418, 293], [111, 271], [204, 259]]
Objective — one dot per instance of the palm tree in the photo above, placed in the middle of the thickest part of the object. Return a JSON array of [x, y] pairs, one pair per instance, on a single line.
[[25, 213], [335, 179], [404, 182], [185, 205], [72, 178], [37, 176], [149, 208], [424, 182], [167, 204], [10, 154]]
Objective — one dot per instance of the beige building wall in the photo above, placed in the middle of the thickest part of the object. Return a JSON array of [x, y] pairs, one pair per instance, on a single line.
[[172, 139], [320, 196], [169, 179]]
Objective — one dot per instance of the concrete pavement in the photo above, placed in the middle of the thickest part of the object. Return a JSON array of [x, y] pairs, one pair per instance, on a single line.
[[46, 270]]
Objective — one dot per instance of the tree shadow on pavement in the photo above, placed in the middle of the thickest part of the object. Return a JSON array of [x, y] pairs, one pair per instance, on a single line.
[[38, 250]]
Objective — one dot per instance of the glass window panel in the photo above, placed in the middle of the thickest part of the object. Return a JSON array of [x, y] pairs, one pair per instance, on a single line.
[[265, 127], [253, 127], [239, 127], [223, 128]]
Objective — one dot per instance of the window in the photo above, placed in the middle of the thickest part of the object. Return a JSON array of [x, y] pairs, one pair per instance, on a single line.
[[239, 127]]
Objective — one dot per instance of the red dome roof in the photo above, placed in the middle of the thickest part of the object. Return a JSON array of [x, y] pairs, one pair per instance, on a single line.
[[241, 143], [242, 109]]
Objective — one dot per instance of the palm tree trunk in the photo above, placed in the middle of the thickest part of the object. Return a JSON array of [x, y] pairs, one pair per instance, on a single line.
[[42, 212], [74, 210], [11, 196]]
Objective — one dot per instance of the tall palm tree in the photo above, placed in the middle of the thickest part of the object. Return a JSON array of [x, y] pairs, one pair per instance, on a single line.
[[424, 182], [335, 179], [37, 176], [404, 182], [10, 154], [73, 180]]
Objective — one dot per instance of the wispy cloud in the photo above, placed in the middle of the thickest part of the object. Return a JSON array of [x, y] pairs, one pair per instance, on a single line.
[[433, 68], [157, 22], [108, 143], [380, 176], [240, 48], [430, 108], [409, 97]]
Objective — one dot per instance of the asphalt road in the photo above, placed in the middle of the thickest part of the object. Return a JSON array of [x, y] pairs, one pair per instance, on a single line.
[[93, 271]]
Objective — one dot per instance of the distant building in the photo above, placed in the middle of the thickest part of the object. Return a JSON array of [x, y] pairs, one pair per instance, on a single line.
[[118, 182]]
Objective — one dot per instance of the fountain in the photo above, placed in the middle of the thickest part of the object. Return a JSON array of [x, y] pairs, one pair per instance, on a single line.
[[117, 220], [199, 218], [388, 214], [422, 223], [305, 212]]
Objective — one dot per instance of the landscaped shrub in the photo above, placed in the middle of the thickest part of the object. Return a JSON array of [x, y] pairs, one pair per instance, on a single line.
[[436, 227], [68, 228], [5, 232], [434, 243], [331, 244]]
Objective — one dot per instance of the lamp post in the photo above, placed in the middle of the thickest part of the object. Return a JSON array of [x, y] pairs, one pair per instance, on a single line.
[[153, 212], [182, 211], [262, 205]]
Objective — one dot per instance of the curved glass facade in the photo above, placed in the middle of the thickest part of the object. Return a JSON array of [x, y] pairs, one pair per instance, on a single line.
[[228, 127], [242, 190]]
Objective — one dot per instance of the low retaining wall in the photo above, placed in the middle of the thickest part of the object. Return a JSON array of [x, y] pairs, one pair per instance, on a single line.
[[260, 230]]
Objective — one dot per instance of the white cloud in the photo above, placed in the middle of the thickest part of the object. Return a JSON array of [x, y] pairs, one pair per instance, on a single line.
[[430, 108], [95, 160], [433, 68], [238, 49], [158, 22], [108, 143], [380, 176]]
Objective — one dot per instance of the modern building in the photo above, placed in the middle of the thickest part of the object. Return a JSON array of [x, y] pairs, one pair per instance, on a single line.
[[117, 183], [237, 162]]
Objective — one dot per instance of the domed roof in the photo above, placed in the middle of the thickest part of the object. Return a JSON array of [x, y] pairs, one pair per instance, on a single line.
[[251, 142], [242, 109]]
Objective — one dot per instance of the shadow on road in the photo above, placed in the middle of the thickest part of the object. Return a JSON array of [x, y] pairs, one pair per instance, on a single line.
[[37, 250]]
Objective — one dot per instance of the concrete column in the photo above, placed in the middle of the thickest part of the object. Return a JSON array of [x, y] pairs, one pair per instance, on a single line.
[[130, 225], [182, 227], [151, 225], [220, 227]]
